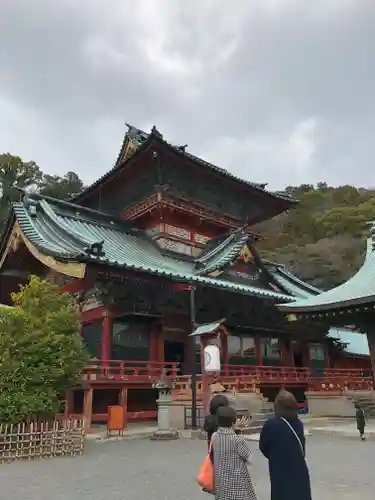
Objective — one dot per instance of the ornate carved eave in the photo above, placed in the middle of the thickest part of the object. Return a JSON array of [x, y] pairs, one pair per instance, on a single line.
[[17, 237]]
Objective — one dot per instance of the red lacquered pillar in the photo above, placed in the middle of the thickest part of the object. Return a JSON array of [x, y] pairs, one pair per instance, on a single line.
[[106, 337], [327, 360], [224, 346], [258, 351]]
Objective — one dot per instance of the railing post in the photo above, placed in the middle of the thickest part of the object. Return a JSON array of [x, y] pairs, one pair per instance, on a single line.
[[327, 360], [87, 408], [68, 407], [258, 351]]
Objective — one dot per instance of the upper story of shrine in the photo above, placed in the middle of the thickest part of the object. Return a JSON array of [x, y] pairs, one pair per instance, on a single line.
[[180, 199]]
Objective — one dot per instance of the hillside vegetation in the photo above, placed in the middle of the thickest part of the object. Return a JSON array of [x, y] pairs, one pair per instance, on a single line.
[[16, 173], [323, 239]]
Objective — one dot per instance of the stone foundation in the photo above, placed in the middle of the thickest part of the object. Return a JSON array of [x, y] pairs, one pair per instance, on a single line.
[[329, 404], [177, 413], [252, 402]]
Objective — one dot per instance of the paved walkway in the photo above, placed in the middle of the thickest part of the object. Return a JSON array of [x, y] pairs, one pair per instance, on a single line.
[[342, 427], [341, 469], [327, 426]]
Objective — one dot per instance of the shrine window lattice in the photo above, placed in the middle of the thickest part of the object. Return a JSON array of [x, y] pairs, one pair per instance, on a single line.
[[241, 350], [130, 339], [92, 337]]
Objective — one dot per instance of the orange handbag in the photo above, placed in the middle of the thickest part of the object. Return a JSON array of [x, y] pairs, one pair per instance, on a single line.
[[205, 477]]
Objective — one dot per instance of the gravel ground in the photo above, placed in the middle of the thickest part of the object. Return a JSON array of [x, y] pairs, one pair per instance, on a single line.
[[144, 470]]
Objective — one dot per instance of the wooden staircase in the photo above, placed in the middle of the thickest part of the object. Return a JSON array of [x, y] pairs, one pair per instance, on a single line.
[[256, 408], [366, 400], [249, 403]]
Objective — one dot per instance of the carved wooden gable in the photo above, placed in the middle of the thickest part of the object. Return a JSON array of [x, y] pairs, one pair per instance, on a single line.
[[245, 269]]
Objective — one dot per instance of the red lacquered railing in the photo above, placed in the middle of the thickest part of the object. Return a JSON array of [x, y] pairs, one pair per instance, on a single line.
[[352, 373], [339, 384], [232, 374], [129, 370], [268, 373], [342, 379]]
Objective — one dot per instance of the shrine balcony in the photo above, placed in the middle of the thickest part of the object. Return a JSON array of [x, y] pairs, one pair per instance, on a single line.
[[128, 371], [339, 379], [268, 373], [233, 377]]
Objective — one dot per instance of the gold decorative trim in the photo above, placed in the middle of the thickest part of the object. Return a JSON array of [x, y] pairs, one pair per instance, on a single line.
[[14, 241], [214, 274], [73, 269], [292, 317], [246, 254]]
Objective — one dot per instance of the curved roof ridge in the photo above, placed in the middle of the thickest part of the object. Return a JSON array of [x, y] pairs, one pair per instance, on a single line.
[[60, 223], [292, 277], [224, 253], [211, 253], [32, 233]]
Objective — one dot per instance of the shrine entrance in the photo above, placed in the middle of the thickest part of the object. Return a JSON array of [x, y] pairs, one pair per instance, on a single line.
[[174, 352], [298, 356]]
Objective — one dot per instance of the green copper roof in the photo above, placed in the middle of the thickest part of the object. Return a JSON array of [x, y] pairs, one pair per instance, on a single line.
[[222, 253], [360, 289], [356, 343], [289, 283], [70, 232]]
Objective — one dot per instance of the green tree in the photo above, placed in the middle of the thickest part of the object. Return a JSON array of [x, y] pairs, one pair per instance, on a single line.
[[15, 173], [62, 188], [41, 352]]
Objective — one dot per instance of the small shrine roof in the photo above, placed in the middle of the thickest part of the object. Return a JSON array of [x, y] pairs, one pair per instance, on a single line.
[[70, 232], [358, 290], [206, 328], [220, 253]]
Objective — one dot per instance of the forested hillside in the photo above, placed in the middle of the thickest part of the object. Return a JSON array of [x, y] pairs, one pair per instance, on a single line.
[[322, 240], [14, 172]]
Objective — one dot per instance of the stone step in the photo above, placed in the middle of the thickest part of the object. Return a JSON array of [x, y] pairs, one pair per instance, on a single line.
[[260, 418], [367, 403], [252, 430], [267, 409]]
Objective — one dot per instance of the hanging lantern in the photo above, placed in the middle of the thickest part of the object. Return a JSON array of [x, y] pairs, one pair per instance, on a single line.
[[212, 359]]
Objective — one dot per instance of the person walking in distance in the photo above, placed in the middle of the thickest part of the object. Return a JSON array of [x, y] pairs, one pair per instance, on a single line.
[[230, 455], [282, 442], [361, 422]]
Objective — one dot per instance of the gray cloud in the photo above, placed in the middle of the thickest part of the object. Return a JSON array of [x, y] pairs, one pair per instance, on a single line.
[[279, 91]]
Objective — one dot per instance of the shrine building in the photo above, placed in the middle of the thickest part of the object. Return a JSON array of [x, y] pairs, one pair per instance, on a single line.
[[160, 228]]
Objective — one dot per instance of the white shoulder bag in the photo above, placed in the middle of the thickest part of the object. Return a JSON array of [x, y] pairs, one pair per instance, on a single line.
[[296, 435]]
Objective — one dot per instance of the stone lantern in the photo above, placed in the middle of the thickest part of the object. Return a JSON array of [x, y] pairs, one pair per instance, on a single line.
[[164, 386]]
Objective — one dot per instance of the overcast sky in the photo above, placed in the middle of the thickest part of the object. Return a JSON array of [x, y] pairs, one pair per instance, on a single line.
[[277, 91]]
